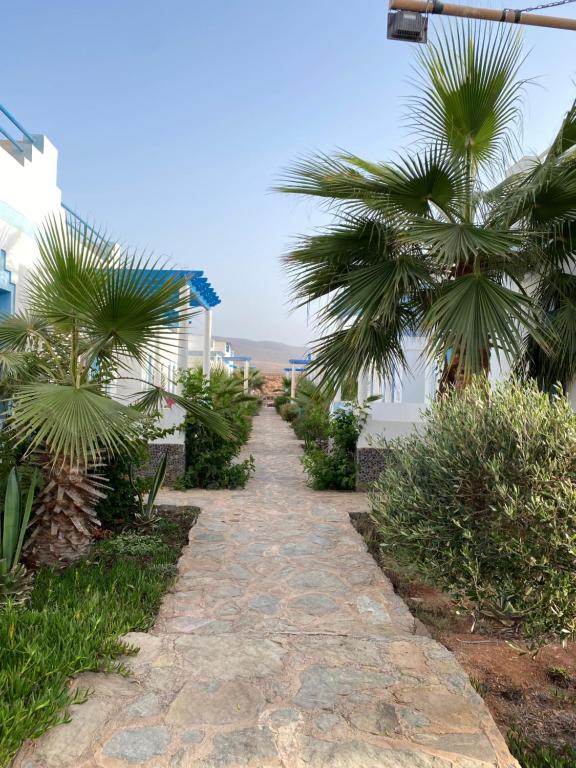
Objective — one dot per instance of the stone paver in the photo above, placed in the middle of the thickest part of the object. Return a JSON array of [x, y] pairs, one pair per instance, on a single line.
[[282, 646]]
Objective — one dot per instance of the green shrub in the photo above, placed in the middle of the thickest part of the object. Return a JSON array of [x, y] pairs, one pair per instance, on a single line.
[[289, 412], [335, 467], [211, 472], [280, 400], [312, 425], [483, 503], [209, 456], [122, 484], [120, 504]]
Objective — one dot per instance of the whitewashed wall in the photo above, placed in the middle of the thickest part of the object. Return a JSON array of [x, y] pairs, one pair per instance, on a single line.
[[29, 192]]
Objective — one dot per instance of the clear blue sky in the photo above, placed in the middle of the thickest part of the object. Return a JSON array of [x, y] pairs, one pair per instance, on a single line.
[[174, 118]]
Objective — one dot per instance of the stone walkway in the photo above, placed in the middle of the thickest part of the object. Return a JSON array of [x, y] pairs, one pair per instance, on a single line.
[[282, 645]]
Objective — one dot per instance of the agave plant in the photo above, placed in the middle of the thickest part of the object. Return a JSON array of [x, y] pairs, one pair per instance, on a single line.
[[15, 580], [448, 242], [92, 307], [146, 519]]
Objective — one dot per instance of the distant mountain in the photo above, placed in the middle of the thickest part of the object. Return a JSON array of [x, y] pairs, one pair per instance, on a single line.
[[268, 356]]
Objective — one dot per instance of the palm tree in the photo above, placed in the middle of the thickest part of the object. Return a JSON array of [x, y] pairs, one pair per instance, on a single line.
[[433, 244], [91, 307]]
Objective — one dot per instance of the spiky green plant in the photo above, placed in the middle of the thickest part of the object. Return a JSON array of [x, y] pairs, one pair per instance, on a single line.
[[15, 581], [446, 242], [147, 518]]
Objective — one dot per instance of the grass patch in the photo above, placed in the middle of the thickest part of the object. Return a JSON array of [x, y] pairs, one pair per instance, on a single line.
[[531, 755], [73, 623]]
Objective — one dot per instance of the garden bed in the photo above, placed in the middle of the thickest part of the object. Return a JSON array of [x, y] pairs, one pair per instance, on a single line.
[[532, 698], [74, 620]]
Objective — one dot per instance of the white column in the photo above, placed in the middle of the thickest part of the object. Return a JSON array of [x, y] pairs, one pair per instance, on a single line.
[[207, 342], [293, 382], [398, 377], [363, 385], [246, 376], [183, 335]]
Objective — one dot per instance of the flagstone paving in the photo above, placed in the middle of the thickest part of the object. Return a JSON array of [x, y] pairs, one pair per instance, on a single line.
[[281, 645]]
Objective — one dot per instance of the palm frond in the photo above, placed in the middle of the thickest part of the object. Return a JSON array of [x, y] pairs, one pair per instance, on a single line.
[[461, 243], [474, 314], [469, 90], [72, 423], [418, 184], [342, 355], [566, 137], [555, 362], [21, 331], [152, 400]]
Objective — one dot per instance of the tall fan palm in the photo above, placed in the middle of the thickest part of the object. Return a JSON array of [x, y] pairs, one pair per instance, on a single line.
[[431, 244], [91, 307]]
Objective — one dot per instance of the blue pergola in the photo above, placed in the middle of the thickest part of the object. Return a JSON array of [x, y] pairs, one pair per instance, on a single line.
[[297, 370], [204, 295], [201, 292], [300, 361], [238, 359]]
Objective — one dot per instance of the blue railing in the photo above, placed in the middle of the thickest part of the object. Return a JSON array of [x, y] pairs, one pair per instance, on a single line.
[[15, 143], [77, 222]]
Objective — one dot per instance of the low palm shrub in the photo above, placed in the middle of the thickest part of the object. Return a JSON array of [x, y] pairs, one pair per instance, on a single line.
[[483, 504]]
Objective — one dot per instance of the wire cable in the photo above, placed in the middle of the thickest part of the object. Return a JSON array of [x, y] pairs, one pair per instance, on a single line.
[[546, 5]]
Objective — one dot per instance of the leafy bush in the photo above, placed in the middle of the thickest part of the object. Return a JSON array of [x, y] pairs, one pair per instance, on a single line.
[[122, 484], [335, 468], [209, 456], [281, 400], [120, 504], [312, 425], [215, 471], [289, 412], [483, 503]]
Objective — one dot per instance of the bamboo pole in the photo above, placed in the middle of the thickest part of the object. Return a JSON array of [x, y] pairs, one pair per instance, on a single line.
[[487, 14]]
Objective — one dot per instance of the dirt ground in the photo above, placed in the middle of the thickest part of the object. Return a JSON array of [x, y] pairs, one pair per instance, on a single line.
[[535, 695]]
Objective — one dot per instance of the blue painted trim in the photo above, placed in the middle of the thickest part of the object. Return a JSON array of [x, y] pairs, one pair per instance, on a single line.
[[11, 139], [202, 293], [77, 221], [239, 358], [6, 283], [18, 125], [296, 361], [16, 219]]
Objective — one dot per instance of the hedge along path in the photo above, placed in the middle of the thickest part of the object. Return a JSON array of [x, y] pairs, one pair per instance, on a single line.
[[281, 645]]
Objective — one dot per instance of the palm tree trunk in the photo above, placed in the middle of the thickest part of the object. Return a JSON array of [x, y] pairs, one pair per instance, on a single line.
[[64, 519], [454, 378]]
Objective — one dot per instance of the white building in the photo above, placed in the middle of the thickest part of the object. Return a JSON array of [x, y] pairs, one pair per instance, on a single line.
[[29, 193]]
